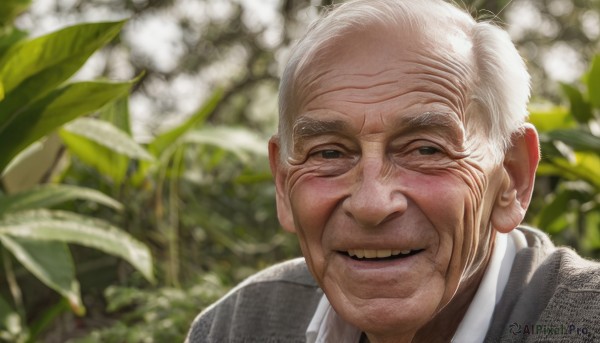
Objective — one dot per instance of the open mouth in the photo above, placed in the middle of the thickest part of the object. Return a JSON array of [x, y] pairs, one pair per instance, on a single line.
[[379, 255]]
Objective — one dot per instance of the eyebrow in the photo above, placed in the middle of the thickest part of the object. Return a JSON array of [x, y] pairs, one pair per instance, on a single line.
[[427, 121], [306, 127]]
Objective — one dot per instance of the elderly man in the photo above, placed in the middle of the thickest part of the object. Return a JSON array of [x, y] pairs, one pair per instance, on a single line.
[[405, 165]]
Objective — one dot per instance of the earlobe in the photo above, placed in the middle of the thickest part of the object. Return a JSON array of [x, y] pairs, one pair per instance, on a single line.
[[279, 171], [519, 167]]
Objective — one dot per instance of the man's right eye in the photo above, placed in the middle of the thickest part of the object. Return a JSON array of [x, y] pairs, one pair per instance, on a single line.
[[330, 154]]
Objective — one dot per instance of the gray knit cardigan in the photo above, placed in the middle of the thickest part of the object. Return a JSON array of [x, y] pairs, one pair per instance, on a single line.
[[552, 295]]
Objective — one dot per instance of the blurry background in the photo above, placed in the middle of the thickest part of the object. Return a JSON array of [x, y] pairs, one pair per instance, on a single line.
[[202, 109]]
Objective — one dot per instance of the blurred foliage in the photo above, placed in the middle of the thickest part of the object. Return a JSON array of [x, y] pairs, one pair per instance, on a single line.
[[569, 207], [186, 153], [34, 102]]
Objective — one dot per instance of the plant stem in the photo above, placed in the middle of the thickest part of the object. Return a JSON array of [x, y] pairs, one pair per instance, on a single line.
[[13, 285]]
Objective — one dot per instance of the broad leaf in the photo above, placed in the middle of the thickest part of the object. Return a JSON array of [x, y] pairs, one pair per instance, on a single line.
[[50, 262], [107, 135], [593, 82], [580, 109], [585, 167], [51, 195], [550, 118], [9, 38], [106, 161], [9, 9], [54, 110], [72, 228], [239, 141], [55, 51], [552, 216], [164, 140], [10, 322], [579, 140], [117, 113]]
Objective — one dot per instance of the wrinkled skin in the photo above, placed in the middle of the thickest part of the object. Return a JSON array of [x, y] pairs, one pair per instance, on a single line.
[[381, 160]]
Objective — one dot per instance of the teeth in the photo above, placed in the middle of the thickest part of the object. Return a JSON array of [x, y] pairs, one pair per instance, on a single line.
[[384, 253], [372, 253]]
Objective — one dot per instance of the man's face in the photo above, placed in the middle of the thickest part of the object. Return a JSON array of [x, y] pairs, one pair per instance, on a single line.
[[389, 197]]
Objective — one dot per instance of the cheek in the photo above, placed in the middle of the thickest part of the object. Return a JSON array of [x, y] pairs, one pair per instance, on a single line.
[[452, 201], [313, 202]]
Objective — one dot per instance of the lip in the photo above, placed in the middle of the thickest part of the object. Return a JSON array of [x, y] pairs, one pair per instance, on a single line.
[[399, 264]]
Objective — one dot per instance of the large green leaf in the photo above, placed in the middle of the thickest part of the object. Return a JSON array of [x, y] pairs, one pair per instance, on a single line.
[[593, 82], [117, 113], [50, 262], [10, 322], [585, 166], [109, 136], [106, 161], [240, 141], [51, 195], [10, 37], [166, 139], [54, 110], [547, 118], [580, 108], [9, 9], [553, 217], [579, 140], [73, 228], [55, 51]]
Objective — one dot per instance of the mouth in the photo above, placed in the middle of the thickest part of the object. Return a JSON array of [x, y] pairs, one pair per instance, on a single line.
[[379, 254]]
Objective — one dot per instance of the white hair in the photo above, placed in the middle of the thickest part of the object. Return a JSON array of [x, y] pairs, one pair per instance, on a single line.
[[498, 93]]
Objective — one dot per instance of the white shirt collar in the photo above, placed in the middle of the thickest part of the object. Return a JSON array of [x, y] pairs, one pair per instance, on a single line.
[[327, 326]]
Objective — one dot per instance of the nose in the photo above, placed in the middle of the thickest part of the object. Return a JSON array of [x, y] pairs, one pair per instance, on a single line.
[[377, 195]]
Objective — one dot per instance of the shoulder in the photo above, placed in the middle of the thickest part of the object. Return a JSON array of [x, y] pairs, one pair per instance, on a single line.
[[552, 289], [273, 305], [572, 285]]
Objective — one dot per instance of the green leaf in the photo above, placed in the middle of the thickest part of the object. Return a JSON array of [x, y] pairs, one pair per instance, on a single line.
[[10, 9], [109, 136], [550, 118], [239, 141], [591, 241], [585, 167], [106, 161], [54, 110], [73, 228], [164, 140], [593, 82], [51, 195], [51, 263], [579, 140], [117, 113], [10, 37], [61, 53], [10, 322], [580, 109], [552, 217]]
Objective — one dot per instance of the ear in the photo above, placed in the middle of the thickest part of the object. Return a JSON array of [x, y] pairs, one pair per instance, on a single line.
[[279, 170], [520, 164]]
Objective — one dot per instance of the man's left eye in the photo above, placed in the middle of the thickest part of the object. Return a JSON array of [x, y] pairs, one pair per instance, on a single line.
[[428, 150], [330, 154]]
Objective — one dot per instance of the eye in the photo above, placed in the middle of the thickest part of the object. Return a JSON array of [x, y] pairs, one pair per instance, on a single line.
[[428, 150], [329, 154]]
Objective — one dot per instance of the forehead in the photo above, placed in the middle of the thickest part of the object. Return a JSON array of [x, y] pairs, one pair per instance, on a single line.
[[380, 70]]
